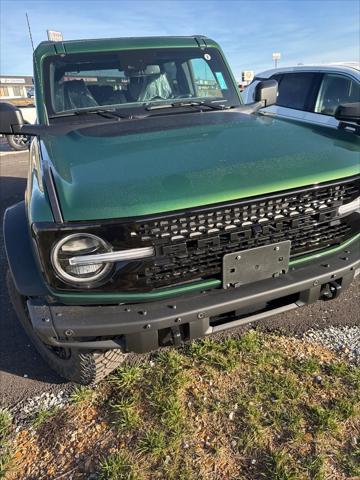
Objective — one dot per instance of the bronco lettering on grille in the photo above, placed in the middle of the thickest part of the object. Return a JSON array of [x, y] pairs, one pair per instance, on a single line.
[[193, 245]]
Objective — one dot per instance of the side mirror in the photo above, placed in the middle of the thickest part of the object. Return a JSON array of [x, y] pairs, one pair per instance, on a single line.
[[266, 91], [348, 112], [11, 119]]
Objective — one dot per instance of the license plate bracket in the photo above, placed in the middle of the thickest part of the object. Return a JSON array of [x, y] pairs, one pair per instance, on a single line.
[[259, 263]]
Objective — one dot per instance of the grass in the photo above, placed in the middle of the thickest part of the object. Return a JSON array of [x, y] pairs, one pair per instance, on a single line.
[[258, 406], [278, 466], [322, 419], [119, 467], [126, 416], [43, 416], [153, 442], [126, 377], [82, 394], [5, 424], [351, 459], [5, 448]]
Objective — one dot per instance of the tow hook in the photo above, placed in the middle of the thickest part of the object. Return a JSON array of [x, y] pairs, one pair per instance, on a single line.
[[176, 336], [330, 291]]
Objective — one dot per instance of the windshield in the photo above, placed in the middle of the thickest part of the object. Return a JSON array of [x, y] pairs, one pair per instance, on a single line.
[[135, 78]]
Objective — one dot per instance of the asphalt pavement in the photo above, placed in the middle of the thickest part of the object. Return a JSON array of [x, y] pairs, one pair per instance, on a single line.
[[23, 373]]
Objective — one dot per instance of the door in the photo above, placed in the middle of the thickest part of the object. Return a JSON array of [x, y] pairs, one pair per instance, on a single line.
[[296, 93], [335, 89]]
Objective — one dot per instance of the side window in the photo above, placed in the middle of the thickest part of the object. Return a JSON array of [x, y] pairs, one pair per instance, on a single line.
[[294, 90], [335, 90], [170, 70], [206, 85]]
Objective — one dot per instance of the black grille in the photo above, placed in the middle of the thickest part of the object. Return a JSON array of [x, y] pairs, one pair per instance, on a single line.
[[192, 245]]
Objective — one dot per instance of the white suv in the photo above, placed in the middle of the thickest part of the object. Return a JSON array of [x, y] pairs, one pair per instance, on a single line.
[[311, 93]]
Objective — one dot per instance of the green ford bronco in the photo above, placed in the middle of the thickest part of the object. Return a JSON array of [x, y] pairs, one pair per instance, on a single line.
[[160, 209]]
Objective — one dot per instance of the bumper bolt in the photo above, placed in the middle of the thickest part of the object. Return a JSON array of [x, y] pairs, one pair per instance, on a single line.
[[201, 315], [177, 320], [69, 333], [173, 307], [147, 326], [316, 283], [46, 320], [238, 257], [143, 312]]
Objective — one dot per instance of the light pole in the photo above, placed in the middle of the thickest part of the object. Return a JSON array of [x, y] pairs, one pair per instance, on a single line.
[[276, 56]]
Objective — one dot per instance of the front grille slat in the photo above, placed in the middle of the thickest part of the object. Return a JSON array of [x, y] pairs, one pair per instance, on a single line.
[[193, 245]]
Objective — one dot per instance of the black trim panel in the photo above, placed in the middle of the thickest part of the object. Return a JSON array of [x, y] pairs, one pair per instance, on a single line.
[[22, 263], [52, 194], [94, 327]]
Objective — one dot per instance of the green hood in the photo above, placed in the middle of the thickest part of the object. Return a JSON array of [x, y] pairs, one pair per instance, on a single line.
[[100, 176]]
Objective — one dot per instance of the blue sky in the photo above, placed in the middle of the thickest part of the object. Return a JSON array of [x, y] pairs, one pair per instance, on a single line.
[[304, 31]]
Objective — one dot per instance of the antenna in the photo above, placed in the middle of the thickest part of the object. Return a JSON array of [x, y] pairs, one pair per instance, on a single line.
[[36, 71], [30, 35]]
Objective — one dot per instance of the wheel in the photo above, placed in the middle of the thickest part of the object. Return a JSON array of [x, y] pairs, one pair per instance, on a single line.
[[85, 368], [19, 142]]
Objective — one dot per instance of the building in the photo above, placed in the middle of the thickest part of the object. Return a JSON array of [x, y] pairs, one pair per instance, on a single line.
[[247, 76], [15, 86]]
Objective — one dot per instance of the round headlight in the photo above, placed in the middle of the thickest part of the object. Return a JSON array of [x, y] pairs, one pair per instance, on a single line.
[[77, 245]]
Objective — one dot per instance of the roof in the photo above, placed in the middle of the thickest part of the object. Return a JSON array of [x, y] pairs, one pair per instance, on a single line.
[[27, 79], [122, 43], [351, 68]]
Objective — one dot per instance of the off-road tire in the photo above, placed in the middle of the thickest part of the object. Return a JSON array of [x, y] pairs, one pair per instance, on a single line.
[[18, 142], [85, 368]]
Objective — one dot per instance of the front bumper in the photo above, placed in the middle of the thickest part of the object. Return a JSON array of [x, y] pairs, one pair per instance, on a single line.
[[147, 326]]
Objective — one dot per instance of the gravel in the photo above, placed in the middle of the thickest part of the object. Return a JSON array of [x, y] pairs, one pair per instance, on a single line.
[[342, 340], [27, 409]]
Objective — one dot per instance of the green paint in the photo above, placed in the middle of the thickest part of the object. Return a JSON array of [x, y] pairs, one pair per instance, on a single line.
[[132, 175], [38, 207], [324, 253], [148, 173], [96, 298]]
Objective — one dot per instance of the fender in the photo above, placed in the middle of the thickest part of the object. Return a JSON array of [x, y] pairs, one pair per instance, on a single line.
[[19, 252]]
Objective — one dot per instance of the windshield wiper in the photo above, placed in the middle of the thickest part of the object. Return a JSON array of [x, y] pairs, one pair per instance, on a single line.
[[211, 106], [103, 112]]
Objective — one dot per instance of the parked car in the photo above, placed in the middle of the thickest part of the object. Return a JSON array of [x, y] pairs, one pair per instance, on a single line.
[[31, 92], [311, 93], [21, 141], [160, 209]]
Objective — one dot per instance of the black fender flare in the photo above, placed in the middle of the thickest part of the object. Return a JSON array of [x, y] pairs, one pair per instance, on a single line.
[[23, 265]]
